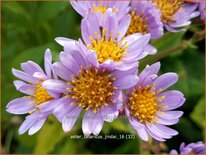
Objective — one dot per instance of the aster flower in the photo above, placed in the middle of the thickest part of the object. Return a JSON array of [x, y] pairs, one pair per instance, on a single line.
[[99, 7], [176, 13], [145, 18], [149, 109], [107, 42], [192, 148], [89, 86], [37, 98]]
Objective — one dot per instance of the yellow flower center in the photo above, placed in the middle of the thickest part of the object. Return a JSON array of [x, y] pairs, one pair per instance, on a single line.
[[143, 104], [102, 8], [93, 88], [107, 49], [168, 9], [137, 24], [41, 95], [99, 8]]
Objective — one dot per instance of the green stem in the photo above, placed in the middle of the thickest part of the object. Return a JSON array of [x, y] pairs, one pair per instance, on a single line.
[[161, 55], [8, 140]]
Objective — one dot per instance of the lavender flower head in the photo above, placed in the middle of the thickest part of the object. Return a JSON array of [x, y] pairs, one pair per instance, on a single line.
[[192, 148], [107, 42], [37, 98], [99, 7], [149, 109], [145, 18], [89, 86], [176, 13]]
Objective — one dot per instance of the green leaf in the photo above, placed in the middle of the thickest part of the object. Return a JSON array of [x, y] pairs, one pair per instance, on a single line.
[[15, 8], [48, 10], [131, 146], [69, 147], [26, 140], [35, 54], [188, 131], [168, 40], [164, 44], [198, 114], [189, 66], [50, 135]]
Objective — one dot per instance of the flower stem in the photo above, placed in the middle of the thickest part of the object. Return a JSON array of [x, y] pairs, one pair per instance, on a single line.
[[161, 55]]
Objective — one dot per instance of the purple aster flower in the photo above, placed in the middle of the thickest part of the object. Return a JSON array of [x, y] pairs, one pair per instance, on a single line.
[[107, 42], [99, 7], [149, 109], [37, 98], [145, 18], [192, 148], [89, 86], [176, 13]]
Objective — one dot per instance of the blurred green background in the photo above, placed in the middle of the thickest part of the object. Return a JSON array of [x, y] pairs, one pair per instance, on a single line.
[[28, 28]]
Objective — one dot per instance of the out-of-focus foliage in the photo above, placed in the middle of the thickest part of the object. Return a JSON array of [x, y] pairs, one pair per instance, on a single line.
[[28, 28]]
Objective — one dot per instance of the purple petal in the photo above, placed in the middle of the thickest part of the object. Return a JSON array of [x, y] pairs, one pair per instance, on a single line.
[[62, 71], [136, 41], [149, 49], [166, 80], [97, 124], [70, 46], [40, 76], [154, 134], [24, 76], [55, 86], [109, 65], [158, 132], [173, 152], [85, 31], [173, 99], [53, 94], [50, 105], [170, 115], [87, 122], [123, 26], [90, 26], [28, 122], [48, 62], [166, 121], [108, 114], [20, 105], [79, 8], [126, 65], [62, 41], [170, 29], [119, 73], [126, 82], [92, 59], [36, 126], [61, 109], [30, 67], [70, 119], [69, 61], [148, 71], [140, 129], [28, 89], [92, 123], [154, 69], [18, 83], [110, 24], [165, 129]]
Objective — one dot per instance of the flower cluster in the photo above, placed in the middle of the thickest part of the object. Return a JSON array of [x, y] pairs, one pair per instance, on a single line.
[[98, 74]]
